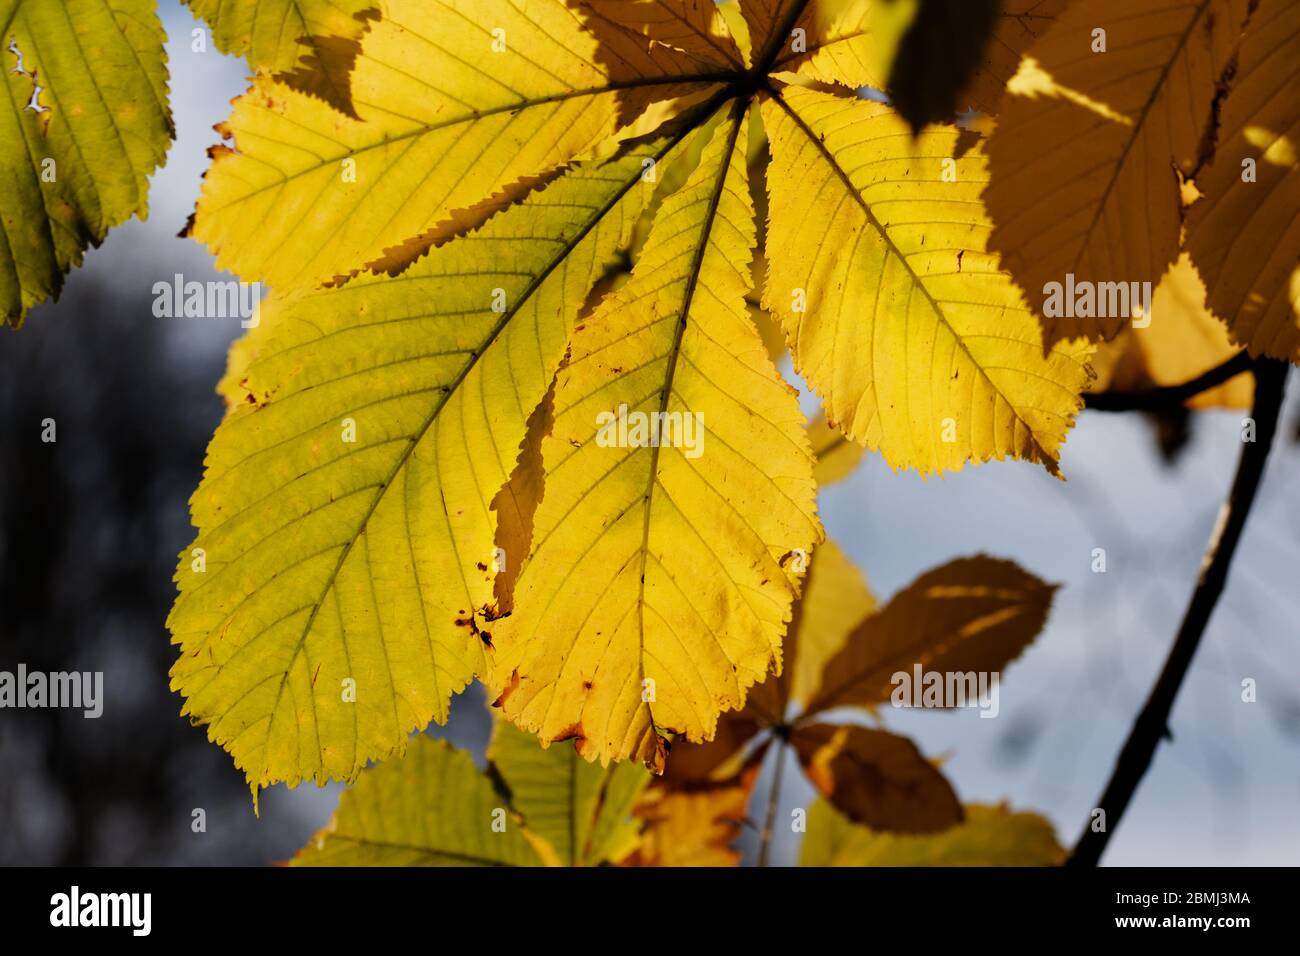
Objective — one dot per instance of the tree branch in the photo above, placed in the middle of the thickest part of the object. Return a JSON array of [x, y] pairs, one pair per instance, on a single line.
[[1152, 723], [1169, 396], [769, 823]]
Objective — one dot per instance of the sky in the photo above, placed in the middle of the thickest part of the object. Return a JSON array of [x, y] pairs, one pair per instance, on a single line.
[[1225, 791]]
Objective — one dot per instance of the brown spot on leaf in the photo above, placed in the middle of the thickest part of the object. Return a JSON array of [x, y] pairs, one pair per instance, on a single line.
[[511, 686]]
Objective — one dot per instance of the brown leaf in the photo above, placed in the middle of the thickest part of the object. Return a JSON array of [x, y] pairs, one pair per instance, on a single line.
[[972, 614], [693, 765], [877, 778], [695, 827]]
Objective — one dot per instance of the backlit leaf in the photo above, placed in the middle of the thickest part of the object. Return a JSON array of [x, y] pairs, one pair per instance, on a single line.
[[440, 142], [1018, 25], [580, 809], [84, 124], [692, 827], [1244, 236], [971, 615], [1090, 143], [938, 57], [1183, 341], [876, 778], [431, 808], [309, 45], [835, 600], [895, 314], [990, 836], [696, 27], [657, 590], [372, 560], [837, 455]]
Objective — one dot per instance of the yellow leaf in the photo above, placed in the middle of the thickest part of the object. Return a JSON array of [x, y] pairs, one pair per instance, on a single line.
[[876, 778], [582, 811], [84, 125], [738, 27], [694, 827], [309, 45], [835, 600], [851, 43], [991, 836], [1104, 112], [1183, 341], [970, 615], [344, 517], [431, 808], [896, 316], [696, 27], [1244, 235], [655, 595], [836, 455], [441, 142]]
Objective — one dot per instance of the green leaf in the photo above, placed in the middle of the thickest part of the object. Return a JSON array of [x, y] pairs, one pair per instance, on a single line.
[[431, 808], [309, 45], [991, 836], [583, 811], [84, 124]]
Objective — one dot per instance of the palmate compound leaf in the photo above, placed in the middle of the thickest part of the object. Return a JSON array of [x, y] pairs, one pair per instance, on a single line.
[[990, 836], [895, 313], [463, 106], [345, 532], [339, 594], [970, 616], [1244, 234], [1089, 146], [433, 807], [84, 124], [659, 586], [310, 45]]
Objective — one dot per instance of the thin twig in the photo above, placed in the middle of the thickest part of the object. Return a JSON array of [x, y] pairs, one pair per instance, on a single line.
[[1168, 396], [769, 823], [1153, 722]]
